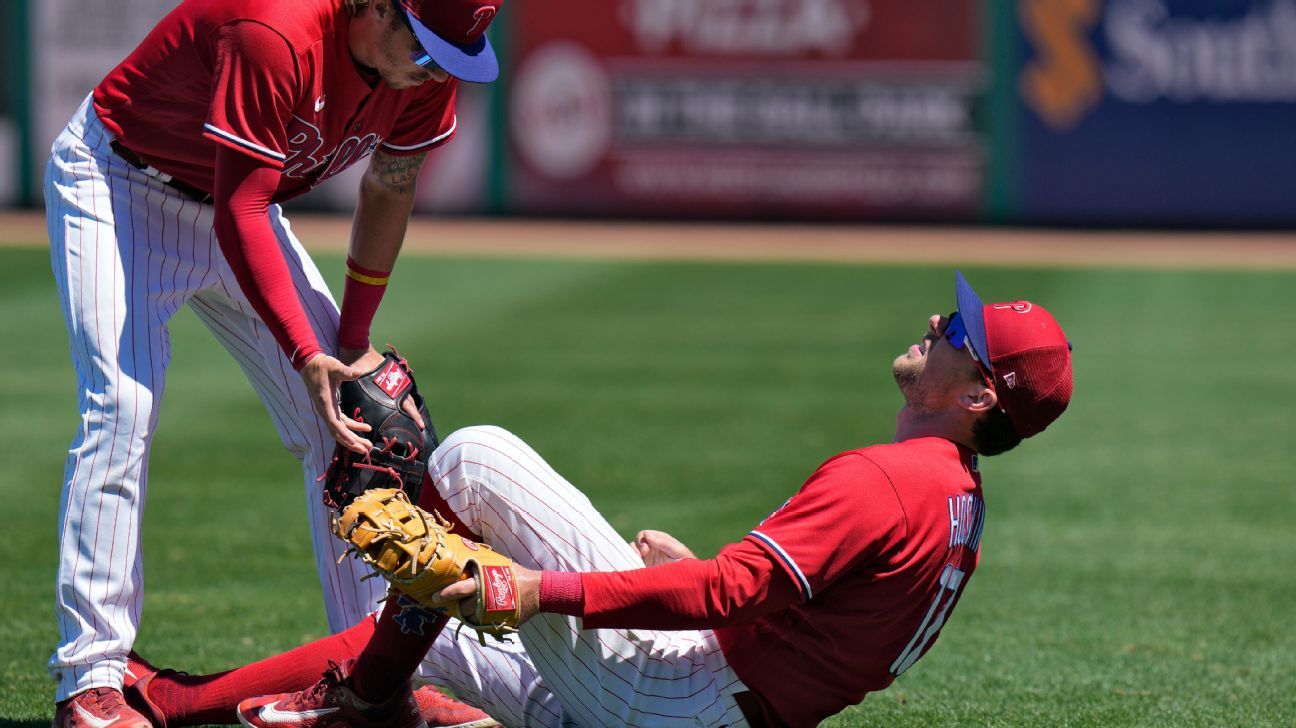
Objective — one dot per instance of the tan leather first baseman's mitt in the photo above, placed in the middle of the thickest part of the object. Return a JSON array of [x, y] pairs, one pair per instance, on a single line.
[[416, 553]]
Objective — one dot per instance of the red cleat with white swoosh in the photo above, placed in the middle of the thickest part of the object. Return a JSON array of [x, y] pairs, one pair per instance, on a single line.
[[330, 703]]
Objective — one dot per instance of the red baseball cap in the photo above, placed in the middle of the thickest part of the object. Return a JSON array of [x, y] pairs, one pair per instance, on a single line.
[[453, 34], [1027, 353]]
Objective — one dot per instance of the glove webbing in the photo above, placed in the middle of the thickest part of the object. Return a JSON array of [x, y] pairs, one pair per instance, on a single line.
[[395, 531]]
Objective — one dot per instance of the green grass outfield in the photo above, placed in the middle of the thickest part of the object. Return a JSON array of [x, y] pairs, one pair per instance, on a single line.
[[1139, 560]]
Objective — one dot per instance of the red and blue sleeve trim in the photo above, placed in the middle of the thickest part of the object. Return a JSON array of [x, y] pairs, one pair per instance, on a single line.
[[788, 562], [454, 124], [245, 145]]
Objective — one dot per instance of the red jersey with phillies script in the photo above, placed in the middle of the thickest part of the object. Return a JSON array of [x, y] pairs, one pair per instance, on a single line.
[[273, 80], [877, 545]]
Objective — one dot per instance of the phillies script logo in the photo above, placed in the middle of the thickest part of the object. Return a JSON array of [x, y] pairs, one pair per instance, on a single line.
[[499, 588], [1019, 306], [391, 379], [307, 157], [482, 17]]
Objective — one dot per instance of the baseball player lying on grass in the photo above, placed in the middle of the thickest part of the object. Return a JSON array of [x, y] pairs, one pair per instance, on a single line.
[[831, 597]]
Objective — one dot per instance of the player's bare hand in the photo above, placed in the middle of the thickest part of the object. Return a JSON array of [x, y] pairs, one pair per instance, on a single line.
[[322, 374], [528, 585], [659, 547], [366, 360]]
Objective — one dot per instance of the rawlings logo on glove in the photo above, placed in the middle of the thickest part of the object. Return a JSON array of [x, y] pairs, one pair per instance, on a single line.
[[391, 379], [415, 552]]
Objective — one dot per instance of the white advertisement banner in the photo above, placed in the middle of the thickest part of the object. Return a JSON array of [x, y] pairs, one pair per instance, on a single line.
[[73, 45]]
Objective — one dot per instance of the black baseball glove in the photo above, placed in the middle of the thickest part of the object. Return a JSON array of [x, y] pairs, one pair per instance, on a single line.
[[400, 450]]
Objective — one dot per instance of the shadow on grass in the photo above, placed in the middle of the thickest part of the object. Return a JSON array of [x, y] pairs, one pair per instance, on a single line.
[[9, 723]]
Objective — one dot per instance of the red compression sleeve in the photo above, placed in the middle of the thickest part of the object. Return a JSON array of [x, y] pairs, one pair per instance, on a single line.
[[561, 592], [244, 188], [364, 291], [740, 584]]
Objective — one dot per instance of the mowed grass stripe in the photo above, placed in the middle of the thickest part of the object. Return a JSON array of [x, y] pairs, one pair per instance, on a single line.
[[1136, 561]]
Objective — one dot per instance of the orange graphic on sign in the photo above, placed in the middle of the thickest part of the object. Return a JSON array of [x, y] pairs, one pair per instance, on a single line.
[[1064, 80]]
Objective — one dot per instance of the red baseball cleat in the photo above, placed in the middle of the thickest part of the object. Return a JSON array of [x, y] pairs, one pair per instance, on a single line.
[[330, 703], [136, 680], [98, 708], [441, 711]]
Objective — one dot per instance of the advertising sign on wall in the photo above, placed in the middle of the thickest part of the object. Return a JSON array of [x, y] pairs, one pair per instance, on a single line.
[[73, 45], [1158, 111], [764, 108]]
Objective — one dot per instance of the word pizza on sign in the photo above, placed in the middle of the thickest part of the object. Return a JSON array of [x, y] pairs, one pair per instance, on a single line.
[[773, 27]]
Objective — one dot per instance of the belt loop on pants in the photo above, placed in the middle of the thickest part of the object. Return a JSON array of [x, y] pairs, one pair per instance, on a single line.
[[137, 162]]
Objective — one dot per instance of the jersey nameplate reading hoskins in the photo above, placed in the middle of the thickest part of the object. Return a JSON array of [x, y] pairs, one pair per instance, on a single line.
[[966, 518]]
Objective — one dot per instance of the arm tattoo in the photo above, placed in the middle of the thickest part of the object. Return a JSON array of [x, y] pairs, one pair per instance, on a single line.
[[396, 174]]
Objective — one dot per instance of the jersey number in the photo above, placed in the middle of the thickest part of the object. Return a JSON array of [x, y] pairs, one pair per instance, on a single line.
[[950, 580]]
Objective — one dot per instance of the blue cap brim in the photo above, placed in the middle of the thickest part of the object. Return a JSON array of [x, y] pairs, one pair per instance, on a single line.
[[972, 311], [475, 62]]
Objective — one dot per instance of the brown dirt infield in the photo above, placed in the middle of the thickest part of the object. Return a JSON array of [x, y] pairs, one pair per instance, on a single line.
[[786, 242]]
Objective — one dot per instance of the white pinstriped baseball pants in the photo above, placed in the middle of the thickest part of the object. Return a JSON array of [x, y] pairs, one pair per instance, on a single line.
[[500, 488], [127, 252]]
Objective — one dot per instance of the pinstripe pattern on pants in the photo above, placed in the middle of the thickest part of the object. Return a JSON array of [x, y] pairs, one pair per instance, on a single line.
[[127, 252], [503, 490]]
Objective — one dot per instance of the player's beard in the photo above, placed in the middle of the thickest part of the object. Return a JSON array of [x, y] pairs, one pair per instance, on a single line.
[[908, 376], [907, 370]]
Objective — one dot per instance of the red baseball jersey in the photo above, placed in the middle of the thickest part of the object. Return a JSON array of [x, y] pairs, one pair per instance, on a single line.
[[273, 80], [880, 543]]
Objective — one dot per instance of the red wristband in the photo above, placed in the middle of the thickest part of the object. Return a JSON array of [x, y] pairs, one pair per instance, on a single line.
[[562, 592], [301, 358], [360, 298]]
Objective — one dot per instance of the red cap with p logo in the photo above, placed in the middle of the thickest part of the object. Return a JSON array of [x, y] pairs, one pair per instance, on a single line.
[[1027, 353]]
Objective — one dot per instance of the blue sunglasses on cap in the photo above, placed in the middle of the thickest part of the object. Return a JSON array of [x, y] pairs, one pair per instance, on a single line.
[[419, 56], [956, 331], [956, 335]]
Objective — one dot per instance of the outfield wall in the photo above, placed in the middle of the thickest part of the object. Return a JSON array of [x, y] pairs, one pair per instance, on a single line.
[[1123, 112], [1155, 111]]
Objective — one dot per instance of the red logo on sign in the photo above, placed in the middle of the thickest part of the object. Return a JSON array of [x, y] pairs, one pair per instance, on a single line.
[[392, 379], [499, 588]]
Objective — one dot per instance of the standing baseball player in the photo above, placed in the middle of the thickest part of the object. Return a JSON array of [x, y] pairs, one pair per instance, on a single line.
[[833, 596], [163, 190]]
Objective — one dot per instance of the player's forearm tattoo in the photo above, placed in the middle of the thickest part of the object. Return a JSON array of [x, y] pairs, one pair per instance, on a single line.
[[396, 174]]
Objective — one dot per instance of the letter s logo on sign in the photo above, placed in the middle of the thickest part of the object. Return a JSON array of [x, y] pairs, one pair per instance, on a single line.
[[482, 16], [1063, 82]]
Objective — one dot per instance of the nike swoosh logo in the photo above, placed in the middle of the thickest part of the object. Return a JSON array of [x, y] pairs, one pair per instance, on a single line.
[[90, 720], [271, 714], [319, 104]]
